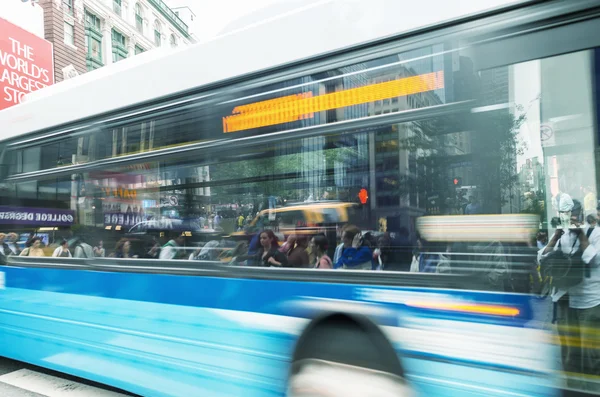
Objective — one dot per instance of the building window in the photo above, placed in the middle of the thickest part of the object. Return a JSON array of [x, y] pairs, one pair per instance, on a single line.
[[138, 50], [93, 35], [119, 46], [94, 56], [117, 7], [118, 38], [92, 21], [68, 6], [95, 49], [157, 33], [139, 18], [173, 41], [69, 34]]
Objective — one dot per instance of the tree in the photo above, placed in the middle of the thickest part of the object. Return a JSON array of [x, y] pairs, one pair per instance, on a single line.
[[491, 160]]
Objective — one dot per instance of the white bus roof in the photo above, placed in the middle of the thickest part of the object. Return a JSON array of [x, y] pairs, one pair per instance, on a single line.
[[316, 28]]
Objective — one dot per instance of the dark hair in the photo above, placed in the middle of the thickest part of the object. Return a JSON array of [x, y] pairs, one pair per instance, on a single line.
[[63, 242], [34, 239], [120, 244], [301, 239], [351, 231], [577, 210], [590, 218], [321, 242], [272, 237]]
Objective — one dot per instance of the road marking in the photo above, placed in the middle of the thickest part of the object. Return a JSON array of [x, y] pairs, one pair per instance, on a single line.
[[52, 386]]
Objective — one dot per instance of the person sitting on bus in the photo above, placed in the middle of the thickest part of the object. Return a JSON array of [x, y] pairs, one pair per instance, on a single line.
[[254, 244], [428, 259], [289, 244], [123, 250], [4, 250], [99, 250], [268, 254], [356, 254], [12, 243], [35, 249], [82, 249], [62, 250], [172, 249], [209, 252], [338, 250], [298, 256], [152, 249], [319, 245], [29, 241]]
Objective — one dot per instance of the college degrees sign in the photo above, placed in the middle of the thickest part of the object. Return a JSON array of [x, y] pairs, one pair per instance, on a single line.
[[26, 63], [36, 216]]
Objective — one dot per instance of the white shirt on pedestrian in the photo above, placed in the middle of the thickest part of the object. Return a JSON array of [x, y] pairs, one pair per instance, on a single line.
[[586, 294]]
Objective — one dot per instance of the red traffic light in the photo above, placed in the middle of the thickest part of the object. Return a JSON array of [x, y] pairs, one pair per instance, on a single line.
[[363, 196]]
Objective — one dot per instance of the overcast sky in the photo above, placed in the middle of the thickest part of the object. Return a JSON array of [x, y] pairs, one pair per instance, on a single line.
[[212, 16]]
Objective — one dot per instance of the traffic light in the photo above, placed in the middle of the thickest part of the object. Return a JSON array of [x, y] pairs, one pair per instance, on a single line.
[[363, 196], [457, 181]]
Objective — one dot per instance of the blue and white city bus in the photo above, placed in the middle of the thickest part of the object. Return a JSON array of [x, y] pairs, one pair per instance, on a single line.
[[417, 122]]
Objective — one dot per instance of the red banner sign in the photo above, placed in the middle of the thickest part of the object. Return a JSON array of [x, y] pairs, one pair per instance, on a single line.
[[26, 63]]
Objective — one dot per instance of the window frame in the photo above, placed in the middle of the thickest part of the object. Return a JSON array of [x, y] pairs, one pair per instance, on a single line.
[[93, 33], [68, 4], [117, 7], [157, 33], [139, 18], [69, 27], [119, 45]]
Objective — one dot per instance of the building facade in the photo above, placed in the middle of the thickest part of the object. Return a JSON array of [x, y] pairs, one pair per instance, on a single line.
[[90, 34]]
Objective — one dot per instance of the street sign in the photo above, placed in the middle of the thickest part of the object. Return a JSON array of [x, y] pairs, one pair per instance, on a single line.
[[547, 135]]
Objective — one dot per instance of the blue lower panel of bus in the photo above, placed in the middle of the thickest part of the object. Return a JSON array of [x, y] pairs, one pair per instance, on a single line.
[[166, 335]]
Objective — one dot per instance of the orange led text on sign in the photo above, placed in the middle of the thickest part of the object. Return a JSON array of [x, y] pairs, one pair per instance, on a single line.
[[303, 106]]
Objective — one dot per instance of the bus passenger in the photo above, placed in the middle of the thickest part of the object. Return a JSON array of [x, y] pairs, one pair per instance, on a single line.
[[12, 243], [99, 250], [35, 249], [29, 241], [268, 254], [288, 245], [173, 248], [338, 250], [153, 250], [356, 254], [123, 250], [4, 250], [62, 250], [319, 245], [82, 249], [298, 256], [428, 258]]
